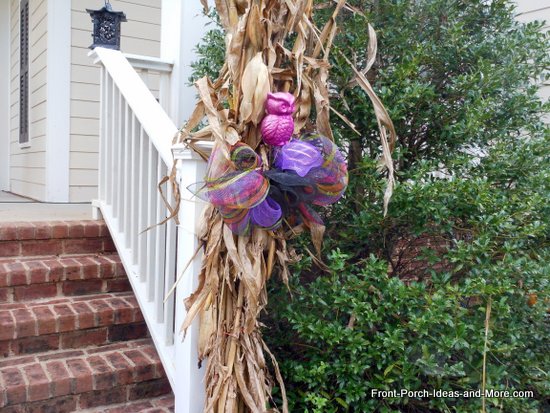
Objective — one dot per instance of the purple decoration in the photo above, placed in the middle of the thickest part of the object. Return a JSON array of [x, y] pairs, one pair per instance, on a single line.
[[267, 214], [278, 126], [298, 156]]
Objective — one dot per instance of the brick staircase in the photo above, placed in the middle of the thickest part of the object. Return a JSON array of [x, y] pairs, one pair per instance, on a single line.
[[72, 336]]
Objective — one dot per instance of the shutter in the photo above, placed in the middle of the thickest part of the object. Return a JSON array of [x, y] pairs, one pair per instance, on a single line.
[[24, 72]]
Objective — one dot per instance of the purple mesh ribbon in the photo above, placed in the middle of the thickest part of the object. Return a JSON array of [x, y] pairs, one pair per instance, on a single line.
[[298, 156], [267, 214]]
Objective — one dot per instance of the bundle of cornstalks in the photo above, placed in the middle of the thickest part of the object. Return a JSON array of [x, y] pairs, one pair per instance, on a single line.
[[271, 46]]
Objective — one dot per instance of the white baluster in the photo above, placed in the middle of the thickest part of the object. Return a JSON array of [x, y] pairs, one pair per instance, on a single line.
[[150, 201], [170, 271], [142, 206], [134, 190]]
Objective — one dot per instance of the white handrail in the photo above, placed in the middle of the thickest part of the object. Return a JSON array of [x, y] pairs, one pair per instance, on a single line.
[[153, 118], [135, 153]]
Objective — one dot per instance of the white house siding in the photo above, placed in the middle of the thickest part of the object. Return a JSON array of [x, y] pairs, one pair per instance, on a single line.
[[140, 35], [27, 165], [528, 11]]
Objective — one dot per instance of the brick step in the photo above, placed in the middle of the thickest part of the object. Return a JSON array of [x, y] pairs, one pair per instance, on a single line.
[[163, 404], [23, 279], [76, 380], [69, 322], [29, 239]]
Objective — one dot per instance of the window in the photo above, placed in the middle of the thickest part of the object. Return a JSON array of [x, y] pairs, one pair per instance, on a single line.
[[24, 73]]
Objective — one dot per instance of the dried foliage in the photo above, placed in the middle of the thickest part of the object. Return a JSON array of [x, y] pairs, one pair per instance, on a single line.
[[235, 269]]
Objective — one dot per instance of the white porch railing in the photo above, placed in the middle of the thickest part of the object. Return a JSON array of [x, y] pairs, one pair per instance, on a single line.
[[135, 153]]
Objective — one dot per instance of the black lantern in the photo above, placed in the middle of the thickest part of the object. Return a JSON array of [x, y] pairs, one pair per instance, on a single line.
[[106, 27]]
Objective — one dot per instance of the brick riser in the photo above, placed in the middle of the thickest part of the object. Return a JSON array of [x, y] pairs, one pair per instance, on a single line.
[[69, 323], [47, 277], [76, 380], [71, 332]]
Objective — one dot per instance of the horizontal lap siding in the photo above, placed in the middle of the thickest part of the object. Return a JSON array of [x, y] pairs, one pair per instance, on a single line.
[[140, 35], [27, 165]]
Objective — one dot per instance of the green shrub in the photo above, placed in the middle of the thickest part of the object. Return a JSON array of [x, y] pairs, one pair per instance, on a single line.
[[459, 79]]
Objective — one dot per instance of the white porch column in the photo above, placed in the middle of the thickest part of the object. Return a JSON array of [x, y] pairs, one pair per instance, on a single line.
[[5, 79], [183, 26], [190, 386], [58, 101]]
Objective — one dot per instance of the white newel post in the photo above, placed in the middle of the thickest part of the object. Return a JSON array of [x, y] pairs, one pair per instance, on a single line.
[[189, 391]]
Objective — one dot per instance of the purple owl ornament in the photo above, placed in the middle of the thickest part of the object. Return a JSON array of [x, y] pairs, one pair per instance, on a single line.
[[278, 126]]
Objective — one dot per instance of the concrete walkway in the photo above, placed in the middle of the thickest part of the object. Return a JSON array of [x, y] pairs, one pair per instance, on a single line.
[[14, 208]]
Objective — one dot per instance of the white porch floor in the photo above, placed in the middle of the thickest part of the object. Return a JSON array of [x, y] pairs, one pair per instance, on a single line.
[[15, 208]]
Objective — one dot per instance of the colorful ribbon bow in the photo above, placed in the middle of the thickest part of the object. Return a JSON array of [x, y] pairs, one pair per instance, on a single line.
[[308, 170]]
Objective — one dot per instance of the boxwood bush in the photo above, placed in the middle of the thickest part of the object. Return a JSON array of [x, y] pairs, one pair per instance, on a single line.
[[454, 280]]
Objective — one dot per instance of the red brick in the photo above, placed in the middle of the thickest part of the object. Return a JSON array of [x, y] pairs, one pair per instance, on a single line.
[[10, 249], [84, 338], [8, 231], [166, 401], [65, 404], [92, 228], [4, 275], [17, 273], [112, 347], [82, 287], [123, 368], [123, 332], [103, 373], [66, 318], [117, 285], [16, 361], [83, 245], [25, 323], [90, 268], [73, 270], [5, 348], [5, 295], [38, 272], [14, 385], [45, 319], [107, 267], [41, 247], [143, 368], [151, 388], [76, 229], [19, 408], [84, 314], [12, 306], [103, 312], [60, 355], [104, 230], [109, 245], [55, 270], [33, 292], [82, 375], [102, 398], [61, 380], [124, 313], [60, 230], [140, 406], [38, 383], [42, 230], [30, 345], [25, 231]]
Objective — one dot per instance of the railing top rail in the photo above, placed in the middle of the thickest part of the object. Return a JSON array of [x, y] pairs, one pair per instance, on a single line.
[[150, 63], [154, 120]]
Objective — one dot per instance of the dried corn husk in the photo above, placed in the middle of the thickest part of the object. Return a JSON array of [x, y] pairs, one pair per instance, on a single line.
[[232, 282]]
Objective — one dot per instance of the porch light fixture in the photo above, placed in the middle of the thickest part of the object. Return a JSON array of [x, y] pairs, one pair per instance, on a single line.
[[106, 26]]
